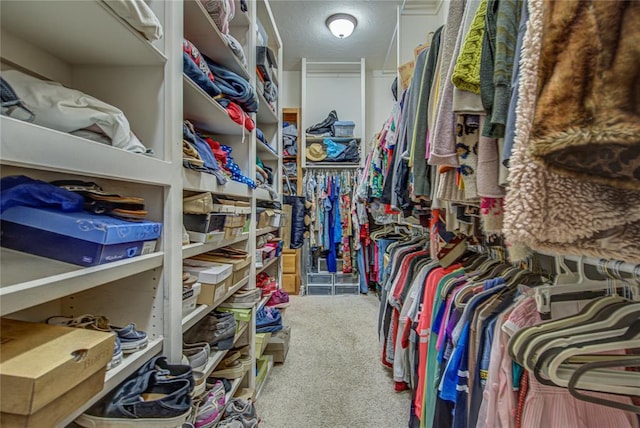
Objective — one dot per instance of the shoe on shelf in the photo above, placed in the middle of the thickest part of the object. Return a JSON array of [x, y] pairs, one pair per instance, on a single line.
[[217, 329], [210, 410], [200, 387], [244, 299], [232, 370], [143, 401], [196, 357], [231, 423], [211, 383], [238, 406], [279, 299], [164, 371], [268, 320], [132, 339], [92, 322]]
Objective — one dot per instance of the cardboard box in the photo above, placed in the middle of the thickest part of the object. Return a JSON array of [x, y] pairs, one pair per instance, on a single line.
[[232, 232], [265, 218], [241, 266], [54, 413], [204, 223], [80, 238], [235, 220], [212, 294], [207, 272], [279, 345], [205, 237], [40, 362]]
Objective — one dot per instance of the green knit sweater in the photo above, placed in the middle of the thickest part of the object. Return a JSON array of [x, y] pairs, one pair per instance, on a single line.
[[466, 72]]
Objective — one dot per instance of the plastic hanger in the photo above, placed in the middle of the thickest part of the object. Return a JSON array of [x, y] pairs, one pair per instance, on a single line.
[[581, 371]]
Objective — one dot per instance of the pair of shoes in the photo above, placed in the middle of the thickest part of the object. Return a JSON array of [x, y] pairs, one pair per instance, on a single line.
[[279, 299], [157, 395], [234, 366], [239, 413], [196, 355], [268, 320], [128, 339], [209, 411], [244, 299], [218, 329]]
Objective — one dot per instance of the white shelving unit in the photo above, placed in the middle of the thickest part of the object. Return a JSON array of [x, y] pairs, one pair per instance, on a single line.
[[330, 98], [89, 48]]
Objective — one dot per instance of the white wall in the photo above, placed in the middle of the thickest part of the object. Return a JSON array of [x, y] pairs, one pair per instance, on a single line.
[[379, 101], [291, 89], [415, 29]]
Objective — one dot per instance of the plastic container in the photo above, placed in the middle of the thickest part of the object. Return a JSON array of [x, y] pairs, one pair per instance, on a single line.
[[343, 128]]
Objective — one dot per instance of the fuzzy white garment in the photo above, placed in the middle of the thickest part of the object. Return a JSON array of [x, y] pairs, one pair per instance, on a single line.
[[69, 110], [139, 16], [548, 212]]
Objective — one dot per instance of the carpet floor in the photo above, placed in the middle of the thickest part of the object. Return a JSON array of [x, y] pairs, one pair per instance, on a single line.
[[332, 376]]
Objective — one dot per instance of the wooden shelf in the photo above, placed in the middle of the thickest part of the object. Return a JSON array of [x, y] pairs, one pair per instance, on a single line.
[[200, 30], [263, 195], [267, 265], [82, 33], [205, 113], [53, 150], [29, 280], [196, 248], [265, 115], [202, 182], [266, 230]]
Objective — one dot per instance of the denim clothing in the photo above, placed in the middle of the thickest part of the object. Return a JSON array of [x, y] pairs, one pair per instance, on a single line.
[[194, 73], [234, 87], [382, 248]]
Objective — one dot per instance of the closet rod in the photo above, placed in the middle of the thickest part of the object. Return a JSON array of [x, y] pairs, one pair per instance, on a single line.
[[617, 264]]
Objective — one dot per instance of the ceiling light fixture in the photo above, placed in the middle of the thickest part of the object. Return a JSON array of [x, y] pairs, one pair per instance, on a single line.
[[341, 25]]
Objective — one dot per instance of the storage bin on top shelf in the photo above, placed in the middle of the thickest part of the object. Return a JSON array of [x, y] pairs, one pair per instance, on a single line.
[[343, 128]]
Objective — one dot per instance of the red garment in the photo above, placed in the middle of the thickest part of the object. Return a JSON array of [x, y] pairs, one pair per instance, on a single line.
[[218, 153], [524, 387], [424, 329], [239, 116]]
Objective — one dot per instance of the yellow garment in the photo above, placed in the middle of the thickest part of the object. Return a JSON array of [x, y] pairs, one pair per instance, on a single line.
[[466, 72]]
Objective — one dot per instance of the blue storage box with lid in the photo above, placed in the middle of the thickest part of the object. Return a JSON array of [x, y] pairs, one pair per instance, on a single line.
[[80, 238], [343, 128]]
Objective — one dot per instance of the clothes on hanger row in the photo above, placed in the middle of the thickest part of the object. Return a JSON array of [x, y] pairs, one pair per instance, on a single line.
[[469, 342], [334, 227], [494, 119]]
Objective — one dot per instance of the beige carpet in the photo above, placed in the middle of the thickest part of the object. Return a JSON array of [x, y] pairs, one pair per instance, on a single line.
[[332, 376]]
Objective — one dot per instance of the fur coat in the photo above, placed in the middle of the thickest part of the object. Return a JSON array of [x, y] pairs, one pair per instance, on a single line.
[[587, 119], [552, 212]]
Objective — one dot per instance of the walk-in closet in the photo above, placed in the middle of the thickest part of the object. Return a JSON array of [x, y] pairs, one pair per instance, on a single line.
[[319, 214]]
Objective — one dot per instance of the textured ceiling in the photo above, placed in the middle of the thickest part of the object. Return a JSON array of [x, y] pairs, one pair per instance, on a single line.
[[301, 24]]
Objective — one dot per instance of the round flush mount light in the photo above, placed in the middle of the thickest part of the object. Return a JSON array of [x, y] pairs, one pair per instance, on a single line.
[[341, 25]]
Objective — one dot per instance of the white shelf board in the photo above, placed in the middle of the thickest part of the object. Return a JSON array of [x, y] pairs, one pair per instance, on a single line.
[[265, 115], [240, 332], [33, 146], [29, 280], [79, 32], [264, 381], [264, 152], [118, 374], [202, 310], [200, 30], [196, 315], [240, 19], [234, 388], [196, 248], [338, 139], [264, 301], [214, 359], [263, 194], [203, 182], [266, 230], [268, 265], [205, 113]]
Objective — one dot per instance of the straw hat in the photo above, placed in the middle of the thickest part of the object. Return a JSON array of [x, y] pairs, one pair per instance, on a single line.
[[316, 152]]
